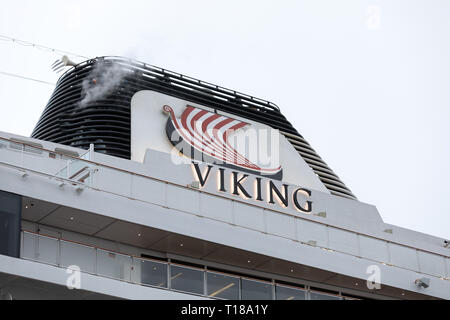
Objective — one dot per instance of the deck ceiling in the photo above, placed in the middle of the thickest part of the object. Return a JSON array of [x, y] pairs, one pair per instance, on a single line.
[[87, 223]]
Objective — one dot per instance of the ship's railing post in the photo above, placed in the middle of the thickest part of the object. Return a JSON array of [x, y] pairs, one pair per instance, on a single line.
[[59, 259], [96, 262], [205, 286], [169, 280]]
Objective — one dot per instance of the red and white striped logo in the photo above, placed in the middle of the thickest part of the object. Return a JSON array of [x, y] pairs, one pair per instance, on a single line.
[[203, 135]]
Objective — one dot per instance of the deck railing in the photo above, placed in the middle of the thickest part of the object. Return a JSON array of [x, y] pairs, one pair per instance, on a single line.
[[157, 273]]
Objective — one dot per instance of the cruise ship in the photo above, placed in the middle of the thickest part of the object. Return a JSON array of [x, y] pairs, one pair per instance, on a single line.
[[142, 183]]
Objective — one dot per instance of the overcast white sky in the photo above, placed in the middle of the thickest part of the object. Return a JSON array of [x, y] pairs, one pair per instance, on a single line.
[[365, 82]]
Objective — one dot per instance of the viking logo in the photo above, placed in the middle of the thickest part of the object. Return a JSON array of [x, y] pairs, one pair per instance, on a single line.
[[204, 136]]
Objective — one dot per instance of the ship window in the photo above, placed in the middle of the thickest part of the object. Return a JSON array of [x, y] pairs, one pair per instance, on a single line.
[[289, 293], [222, 286], [256, 290], [146, 256], [10, 215], [187, 279]]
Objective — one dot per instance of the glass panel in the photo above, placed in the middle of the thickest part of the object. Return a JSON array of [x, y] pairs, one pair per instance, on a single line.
[[78, 255], [75, 166], [322, 296], [153, 273], [62, 173], [10, 206], [113, 265], [186, 279], [288, 293], [29, 246], [222, 286], [47, 250], [256, 290], [77, 169]]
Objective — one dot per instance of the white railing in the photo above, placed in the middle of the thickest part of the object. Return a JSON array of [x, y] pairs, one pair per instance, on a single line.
[[76, 170], [155, 273]]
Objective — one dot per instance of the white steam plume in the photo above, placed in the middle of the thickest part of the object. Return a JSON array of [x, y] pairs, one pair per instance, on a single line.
[[101, 81]]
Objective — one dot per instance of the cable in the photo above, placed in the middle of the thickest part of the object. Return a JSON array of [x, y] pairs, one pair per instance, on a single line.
[[39, 47], [25, 78]]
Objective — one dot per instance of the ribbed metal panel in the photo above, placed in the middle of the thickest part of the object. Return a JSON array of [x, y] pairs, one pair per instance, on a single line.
[[106, 122]]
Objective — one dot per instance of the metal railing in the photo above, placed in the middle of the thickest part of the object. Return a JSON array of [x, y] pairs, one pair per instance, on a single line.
[[78, 170], [157, 273]]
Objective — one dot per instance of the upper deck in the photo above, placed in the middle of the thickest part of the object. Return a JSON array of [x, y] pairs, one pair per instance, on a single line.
[[105, 197]]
